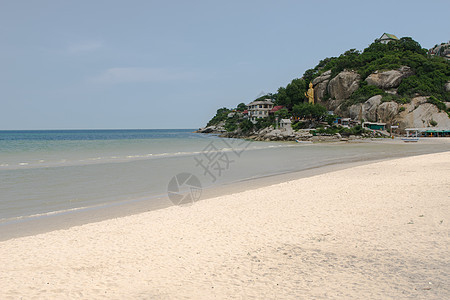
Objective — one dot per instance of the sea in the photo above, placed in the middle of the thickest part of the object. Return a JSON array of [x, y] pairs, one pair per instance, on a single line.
[[48, 172]]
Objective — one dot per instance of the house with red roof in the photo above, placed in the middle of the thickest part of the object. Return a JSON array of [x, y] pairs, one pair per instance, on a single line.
[[276, 108]]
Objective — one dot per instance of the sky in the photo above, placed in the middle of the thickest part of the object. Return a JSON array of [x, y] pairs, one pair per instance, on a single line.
[[94, 64]]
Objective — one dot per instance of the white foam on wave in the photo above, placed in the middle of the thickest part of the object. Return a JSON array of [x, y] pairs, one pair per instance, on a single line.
[[46, 214]]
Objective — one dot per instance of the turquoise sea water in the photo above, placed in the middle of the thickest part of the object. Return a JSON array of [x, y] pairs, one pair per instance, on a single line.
[[46, 172]]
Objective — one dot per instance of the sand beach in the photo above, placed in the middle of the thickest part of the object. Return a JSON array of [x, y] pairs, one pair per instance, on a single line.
[[375, 231]]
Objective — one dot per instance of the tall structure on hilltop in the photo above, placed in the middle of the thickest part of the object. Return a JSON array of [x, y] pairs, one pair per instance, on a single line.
[[386, 38]]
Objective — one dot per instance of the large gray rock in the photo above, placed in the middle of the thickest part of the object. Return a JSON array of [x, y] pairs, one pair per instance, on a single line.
[[389, 79], [273, 133], [366, 110], [355, 112], [323, 77], [387, 111], [335, 105], [415, 102], [320, 86], [370, 108], [319, 91], [447, 86], [421, 116], [343, 85]]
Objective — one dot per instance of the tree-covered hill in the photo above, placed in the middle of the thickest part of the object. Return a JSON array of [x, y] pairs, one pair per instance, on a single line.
[[430, 72], [396, 73]]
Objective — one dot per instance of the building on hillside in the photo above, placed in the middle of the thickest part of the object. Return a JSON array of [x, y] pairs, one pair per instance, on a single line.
[[374, 125], [442, 50], [386, 38], [344, 122], [285, 125], [276, 108], [259, 109]]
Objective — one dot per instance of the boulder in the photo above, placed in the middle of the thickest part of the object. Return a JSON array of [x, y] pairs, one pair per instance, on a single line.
[[320, 86], [334, 105], [209, 129], [447, 86], [273, 133], [355, 112], [370, 108], [366, 110], [323, 77], [303, 134], [319, 91], [387, 111], [415, 102], [421, 116], [343, 85], [389, 79]]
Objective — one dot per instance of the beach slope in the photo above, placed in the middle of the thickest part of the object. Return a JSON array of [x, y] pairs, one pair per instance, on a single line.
[[373, 231]]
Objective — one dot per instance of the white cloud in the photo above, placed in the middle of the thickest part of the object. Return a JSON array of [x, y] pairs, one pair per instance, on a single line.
[[86, 46], [123, 75]]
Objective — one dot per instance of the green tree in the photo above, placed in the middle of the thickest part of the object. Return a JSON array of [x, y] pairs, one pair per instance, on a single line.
[[246, 126], [241, 107], [309, 111], [221, 115], [330, 119], [283, 114]]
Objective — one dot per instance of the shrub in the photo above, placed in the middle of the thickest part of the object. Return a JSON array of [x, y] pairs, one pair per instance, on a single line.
[[439, 104], [231, 124], [307, 110], [330, 119], [246, 126], [364, 92], [221, 115], [396, 98], [264, 122], [299, 125]]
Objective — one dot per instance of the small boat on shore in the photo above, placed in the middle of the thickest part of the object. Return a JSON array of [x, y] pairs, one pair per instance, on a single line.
[[410, 139], [303, 142]]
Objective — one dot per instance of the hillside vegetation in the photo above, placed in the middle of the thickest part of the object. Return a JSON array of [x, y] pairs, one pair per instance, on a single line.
[[345, 81], [430, 72]]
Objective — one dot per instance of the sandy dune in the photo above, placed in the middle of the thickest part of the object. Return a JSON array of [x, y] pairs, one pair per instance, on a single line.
[[373, 231]]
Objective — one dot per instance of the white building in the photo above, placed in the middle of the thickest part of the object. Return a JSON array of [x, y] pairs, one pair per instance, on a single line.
[[259, 109], [386, 38], [285, 125]]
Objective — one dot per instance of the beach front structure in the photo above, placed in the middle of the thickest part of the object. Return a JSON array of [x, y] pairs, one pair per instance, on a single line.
[[344, 122], [386, 38], [374, 125], [285, 125], [259, 109], [428, 132]]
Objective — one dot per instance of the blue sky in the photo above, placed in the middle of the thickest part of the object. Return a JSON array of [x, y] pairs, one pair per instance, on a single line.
[[171, 64]]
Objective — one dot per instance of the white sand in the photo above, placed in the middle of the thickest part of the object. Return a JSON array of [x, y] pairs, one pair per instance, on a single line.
[[374, 231]]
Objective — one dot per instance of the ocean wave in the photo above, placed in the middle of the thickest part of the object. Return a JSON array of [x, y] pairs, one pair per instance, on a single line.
[[45, 214], [127, 158]]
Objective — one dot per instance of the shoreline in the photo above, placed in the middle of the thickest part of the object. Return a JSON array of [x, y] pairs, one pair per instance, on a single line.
[[64, 220], [82, 216], [369, 231]]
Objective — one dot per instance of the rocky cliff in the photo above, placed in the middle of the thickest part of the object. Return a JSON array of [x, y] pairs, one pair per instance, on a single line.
[[335, 93]]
